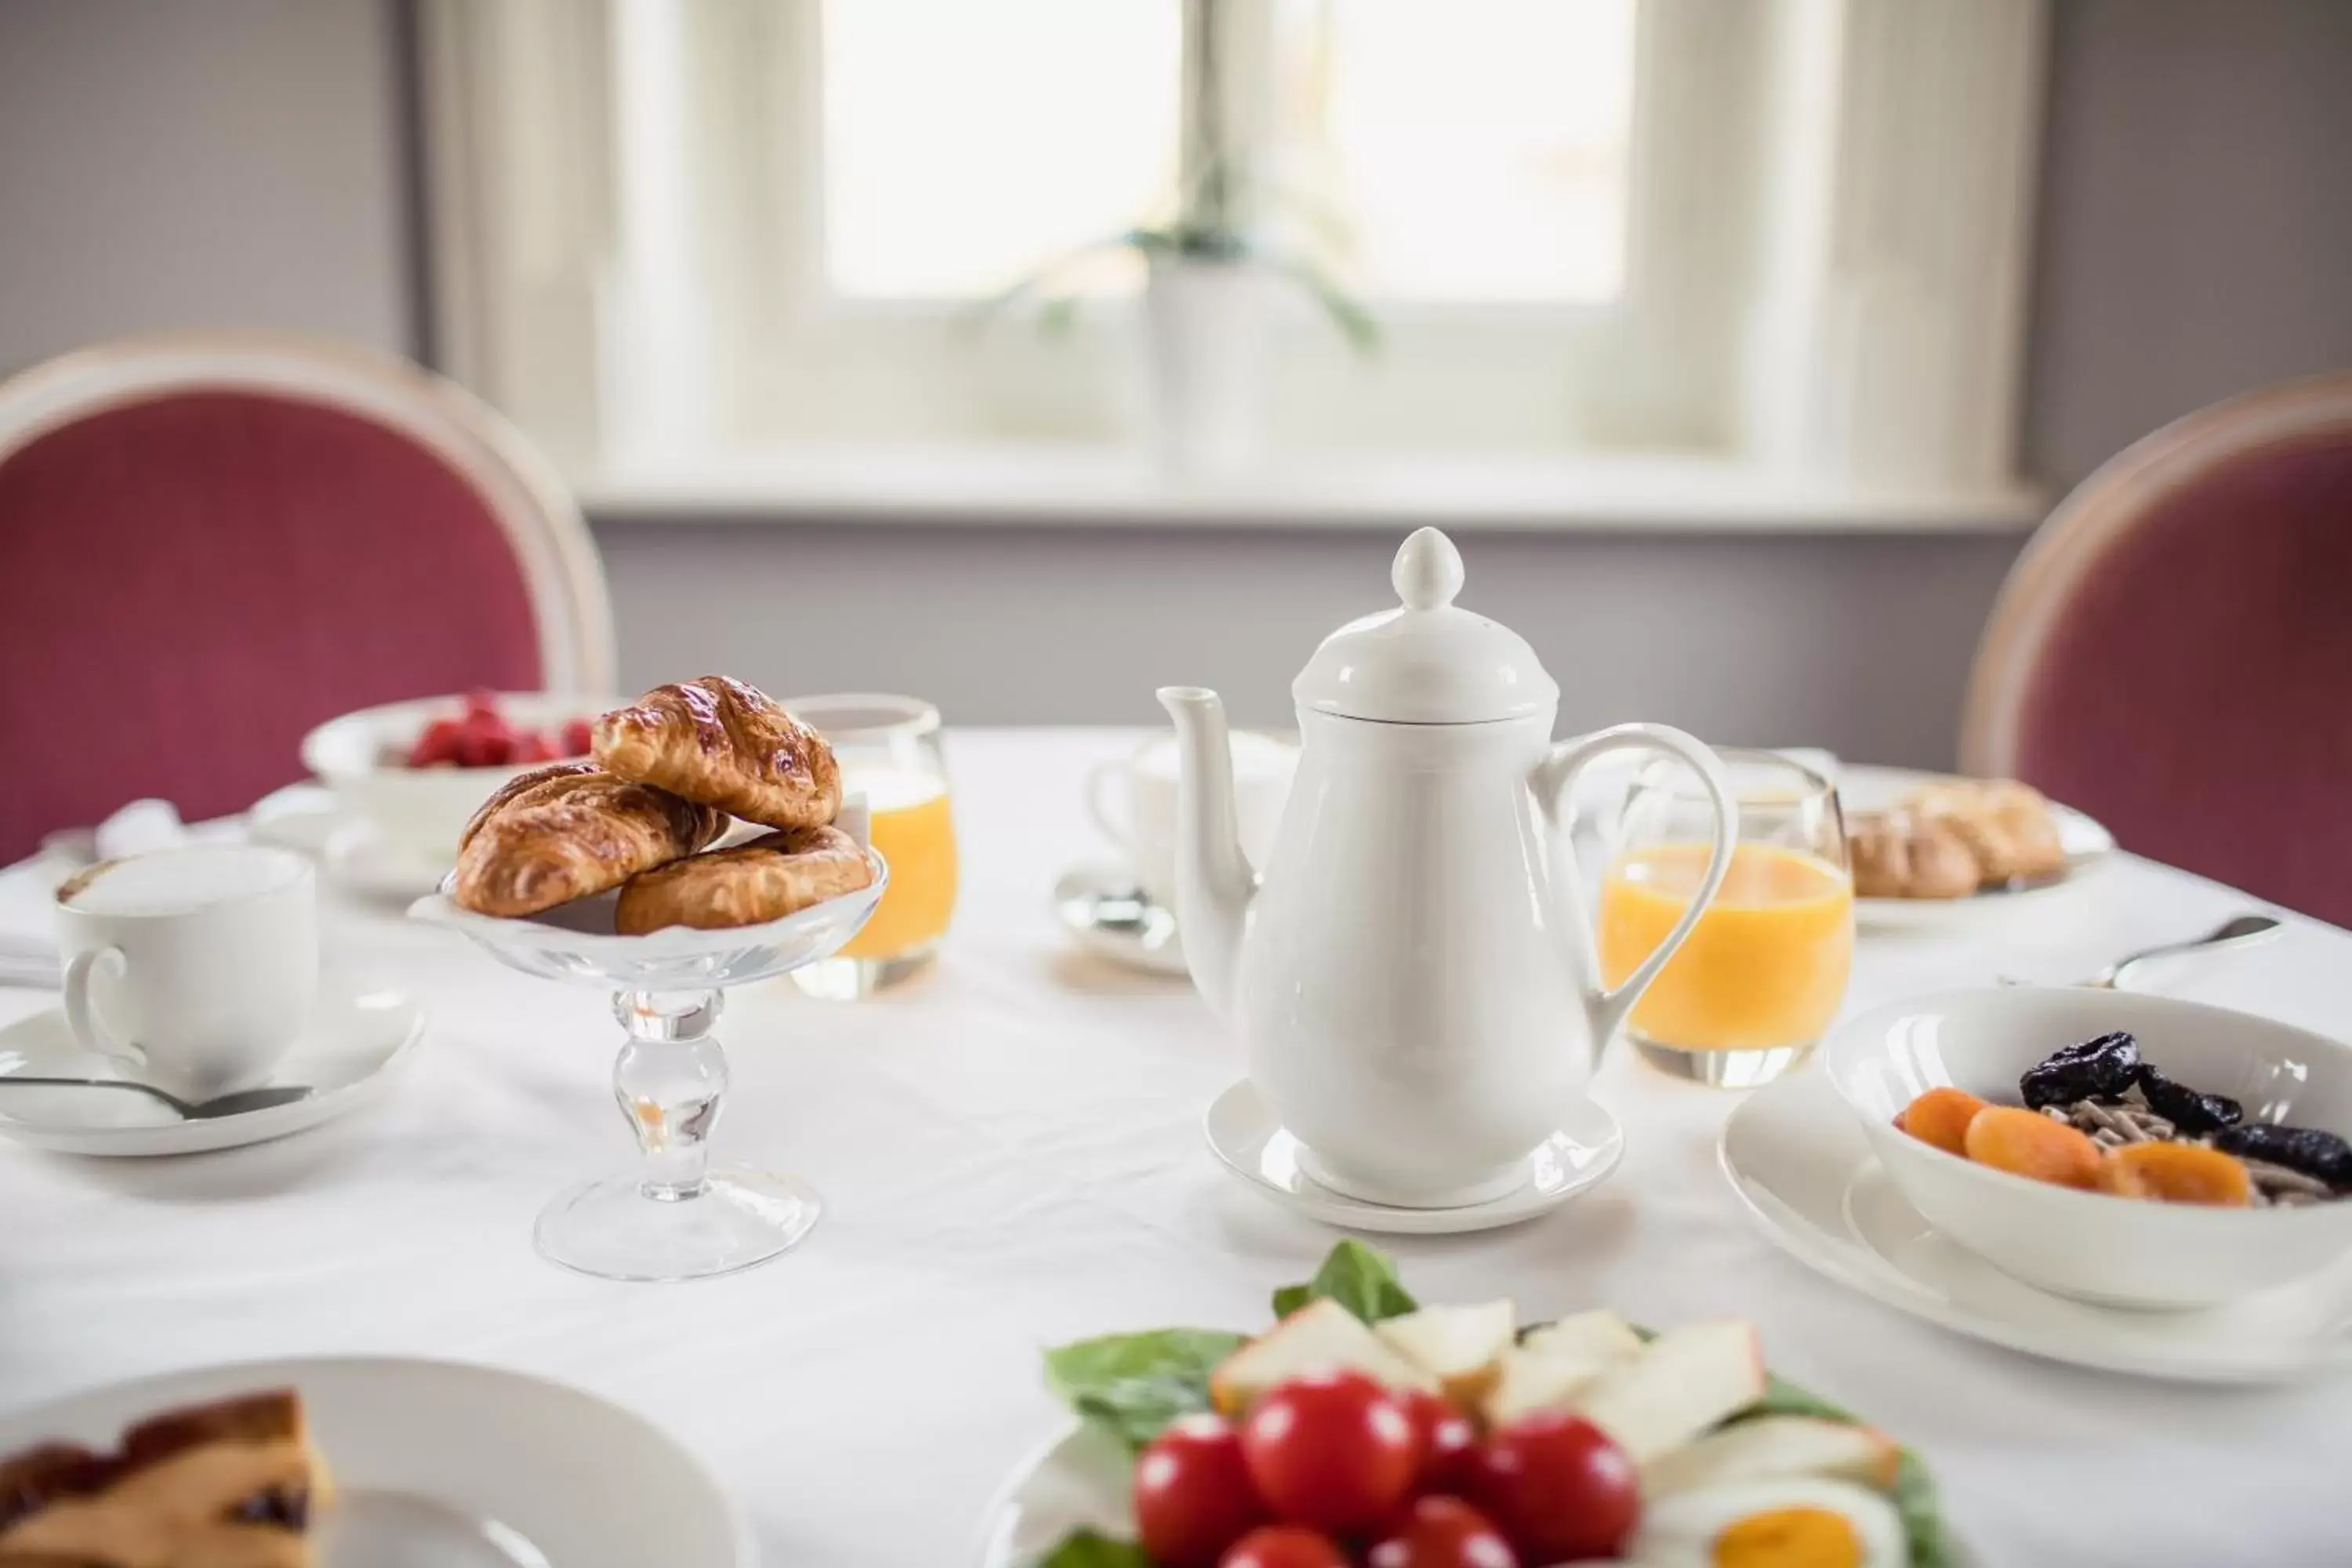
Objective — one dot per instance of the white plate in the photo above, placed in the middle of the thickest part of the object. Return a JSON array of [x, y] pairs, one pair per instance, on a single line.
[[1081, 1480], [1242, 1133], [359, 1037], [1795, 1156], [1103, 908], [2088, 845], [423, 1450]]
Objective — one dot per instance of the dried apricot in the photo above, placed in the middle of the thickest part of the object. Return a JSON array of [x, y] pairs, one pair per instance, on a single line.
[[2176, 1173], [1941, 1117], [2028, 1143]]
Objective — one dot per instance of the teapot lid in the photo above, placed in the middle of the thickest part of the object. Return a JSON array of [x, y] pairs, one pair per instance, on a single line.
[[1427, 661]]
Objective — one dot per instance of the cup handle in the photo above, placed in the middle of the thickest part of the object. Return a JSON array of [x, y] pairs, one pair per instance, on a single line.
[[81, 1016], [1098, 804], [1606, 1007]]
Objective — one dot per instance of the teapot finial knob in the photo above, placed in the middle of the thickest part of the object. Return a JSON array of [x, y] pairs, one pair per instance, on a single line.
[[1428, 571]]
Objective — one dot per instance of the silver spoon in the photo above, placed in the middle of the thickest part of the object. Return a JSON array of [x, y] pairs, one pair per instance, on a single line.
[[2236, 931], [237, 1104]]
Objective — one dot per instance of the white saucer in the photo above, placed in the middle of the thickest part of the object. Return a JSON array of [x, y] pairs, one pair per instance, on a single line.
[[460, 1467], [1243, 1132], [355, 854], [1110, 918], [359, 1036], [360, 860], [1795, 1156]]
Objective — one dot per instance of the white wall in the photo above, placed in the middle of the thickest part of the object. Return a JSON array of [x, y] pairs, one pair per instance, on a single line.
[[199, 162], [239, 161]]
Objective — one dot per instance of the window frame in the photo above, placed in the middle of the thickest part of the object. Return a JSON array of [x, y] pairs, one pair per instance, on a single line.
[[1737, 339]]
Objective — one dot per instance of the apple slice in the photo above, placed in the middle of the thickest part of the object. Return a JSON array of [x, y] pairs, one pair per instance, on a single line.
[[1682, 1384], [1460, 1344], [1599, 1335], [1528, 1381], [1774, 1446], [1318, 1337]]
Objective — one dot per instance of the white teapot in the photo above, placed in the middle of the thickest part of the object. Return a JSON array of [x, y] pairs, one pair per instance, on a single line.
[[1412, 979]]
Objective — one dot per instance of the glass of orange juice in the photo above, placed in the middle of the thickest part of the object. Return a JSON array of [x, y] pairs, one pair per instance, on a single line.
[[890, 751], [1764, 968]]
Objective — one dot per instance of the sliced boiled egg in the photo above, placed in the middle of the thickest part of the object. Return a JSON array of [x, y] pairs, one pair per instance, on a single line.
[[1796, 1523]]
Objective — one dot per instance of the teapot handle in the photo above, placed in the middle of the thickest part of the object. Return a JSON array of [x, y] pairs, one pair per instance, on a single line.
[[1606, 1007]]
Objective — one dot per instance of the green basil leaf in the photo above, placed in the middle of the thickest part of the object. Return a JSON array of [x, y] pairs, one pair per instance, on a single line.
[[1088, 1549], [1133, 1386], [1358, 1278]]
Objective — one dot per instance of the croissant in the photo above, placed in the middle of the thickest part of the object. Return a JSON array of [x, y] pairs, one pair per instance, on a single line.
[[1899, 856], [518, 785], [724, 743], [773, 875], [567, 831]]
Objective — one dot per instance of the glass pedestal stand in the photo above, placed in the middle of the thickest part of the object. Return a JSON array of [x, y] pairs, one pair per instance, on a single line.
[[675, 1216]]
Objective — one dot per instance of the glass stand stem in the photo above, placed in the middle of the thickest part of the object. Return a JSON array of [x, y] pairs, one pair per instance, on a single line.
[[670, 1080], [674, 1214]]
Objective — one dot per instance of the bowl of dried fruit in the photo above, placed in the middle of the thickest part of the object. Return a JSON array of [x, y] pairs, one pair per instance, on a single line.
[[2113, 1147]]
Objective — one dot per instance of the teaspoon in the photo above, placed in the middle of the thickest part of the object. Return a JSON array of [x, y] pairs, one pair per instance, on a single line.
[[236, 1104]]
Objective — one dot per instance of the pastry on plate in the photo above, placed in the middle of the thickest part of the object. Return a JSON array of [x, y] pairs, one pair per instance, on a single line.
[[2007, 826], [724, 743], [771, 877], [231, 1484], [1898, 855], [569, 831]]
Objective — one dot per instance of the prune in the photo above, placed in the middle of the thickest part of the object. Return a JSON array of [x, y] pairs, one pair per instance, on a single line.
[[2322, 1156], [2100, 1068], [2194, 1114], [288, 1506]]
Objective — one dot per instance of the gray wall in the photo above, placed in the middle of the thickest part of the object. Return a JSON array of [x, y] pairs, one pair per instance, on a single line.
[[239, 161], [229, 162]]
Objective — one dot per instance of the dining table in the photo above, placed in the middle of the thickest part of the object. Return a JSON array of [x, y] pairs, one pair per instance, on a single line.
[[1011, 1153]]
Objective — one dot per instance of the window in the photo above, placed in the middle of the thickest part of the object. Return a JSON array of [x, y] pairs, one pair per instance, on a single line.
[[1780, 237], [1477, 151], [1044, 158]]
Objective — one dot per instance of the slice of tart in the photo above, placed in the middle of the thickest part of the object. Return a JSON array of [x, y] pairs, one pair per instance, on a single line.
[[232, 1484]]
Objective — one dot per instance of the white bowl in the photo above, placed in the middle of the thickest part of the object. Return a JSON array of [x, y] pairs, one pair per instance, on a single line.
[[2090, 1245], [358, 756]]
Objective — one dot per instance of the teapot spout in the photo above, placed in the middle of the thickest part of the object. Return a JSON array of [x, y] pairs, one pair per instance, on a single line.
[[1214, 883]]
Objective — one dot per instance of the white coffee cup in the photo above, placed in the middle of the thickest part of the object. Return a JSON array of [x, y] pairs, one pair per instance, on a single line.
[[1133, 800], [193, 968]]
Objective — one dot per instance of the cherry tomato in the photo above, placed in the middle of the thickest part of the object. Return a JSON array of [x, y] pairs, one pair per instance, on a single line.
[[1442, 1532], [1447, 1440], [1282, 1546], [1558, 1487], [1193, 1495], [1331, 1449], [577, 739]]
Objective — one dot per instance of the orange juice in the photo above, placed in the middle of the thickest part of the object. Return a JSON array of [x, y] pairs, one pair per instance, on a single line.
[[1766, 965], [913, 830]]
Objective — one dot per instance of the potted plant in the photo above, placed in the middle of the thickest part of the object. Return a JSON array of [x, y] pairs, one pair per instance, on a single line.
[[1212, 272]]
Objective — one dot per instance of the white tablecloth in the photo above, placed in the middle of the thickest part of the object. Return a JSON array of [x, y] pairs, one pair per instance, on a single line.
[[1012, 1157]]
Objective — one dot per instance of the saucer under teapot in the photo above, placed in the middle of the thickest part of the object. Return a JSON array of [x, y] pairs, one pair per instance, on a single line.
[[1410, 973]]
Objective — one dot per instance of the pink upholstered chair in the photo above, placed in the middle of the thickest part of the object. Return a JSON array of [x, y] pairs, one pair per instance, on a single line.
[[210, 543], [2173, 652]]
